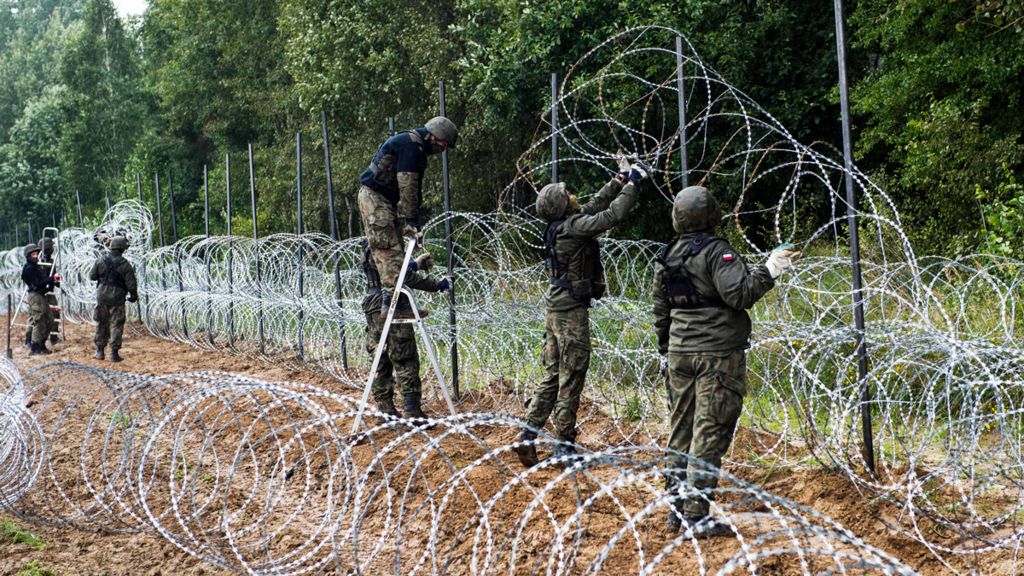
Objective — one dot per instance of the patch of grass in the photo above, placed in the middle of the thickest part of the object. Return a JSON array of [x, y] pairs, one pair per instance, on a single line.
[[34, 569], [634, 410], [11, 532], [118, 418]]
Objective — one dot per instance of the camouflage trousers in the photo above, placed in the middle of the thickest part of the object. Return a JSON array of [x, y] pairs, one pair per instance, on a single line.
[[566, 358], [383, 235], [109, 325], [400, 358], [52, 299], [705, 399], [40, 317]]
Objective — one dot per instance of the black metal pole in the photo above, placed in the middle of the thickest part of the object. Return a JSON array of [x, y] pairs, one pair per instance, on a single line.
[[106, 199], [851, 218], [231, 259], [334, 236], [256, 241], [681, 98], [78, 198], [298, 226], [209, 276], [10, 314], [391, 126], [30, 234], [170, 197], [177, 257], [452, 329], [159, 211], [554, 127], [138, 187]]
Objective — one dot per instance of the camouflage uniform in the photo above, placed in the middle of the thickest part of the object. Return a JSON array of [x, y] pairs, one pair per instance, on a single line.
[[702, 289], [576, 278], [115, 278], [38, 282], [401, 356], [46, 262]]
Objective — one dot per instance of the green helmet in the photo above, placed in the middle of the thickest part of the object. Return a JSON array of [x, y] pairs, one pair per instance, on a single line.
[[552, 202], [29, 249], [695, 210], [443, 129], [119, 244]]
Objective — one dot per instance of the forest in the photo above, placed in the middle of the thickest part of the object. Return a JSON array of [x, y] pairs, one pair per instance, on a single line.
[[94, 105]]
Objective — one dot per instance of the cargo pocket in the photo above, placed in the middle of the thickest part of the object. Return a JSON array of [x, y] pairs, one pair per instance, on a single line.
[[577, 357], [382, 235], [730, 390]]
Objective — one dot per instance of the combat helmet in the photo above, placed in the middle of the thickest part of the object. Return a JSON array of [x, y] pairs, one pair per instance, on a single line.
[[443, 129], [552, 202], [118, 244], [29, 249], [695, 210]]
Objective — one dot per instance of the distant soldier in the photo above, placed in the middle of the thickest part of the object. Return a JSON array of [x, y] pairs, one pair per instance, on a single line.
[[38, 281], [576, 277], [115, 279], [401, 356], [389, 198], [702, 289]]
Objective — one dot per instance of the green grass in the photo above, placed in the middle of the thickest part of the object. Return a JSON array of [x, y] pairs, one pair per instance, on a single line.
[[34, 569], [11, 532]]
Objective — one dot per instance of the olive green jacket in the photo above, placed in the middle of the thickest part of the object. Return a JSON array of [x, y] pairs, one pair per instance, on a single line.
[[608, 208], [720, 274], [110, 294]]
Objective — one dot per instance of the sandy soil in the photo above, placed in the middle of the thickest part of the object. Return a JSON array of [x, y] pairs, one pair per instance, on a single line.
[[73, 551]]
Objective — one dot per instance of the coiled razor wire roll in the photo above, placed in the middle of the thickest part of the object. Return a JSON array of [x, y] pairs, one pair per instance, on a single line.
[[262, 478], [943, 334]]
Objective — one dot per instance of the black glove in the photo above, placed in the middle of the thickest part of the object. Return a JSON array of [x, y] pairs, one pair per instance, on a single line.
[[637, 173], [444, 284], [133, 298]]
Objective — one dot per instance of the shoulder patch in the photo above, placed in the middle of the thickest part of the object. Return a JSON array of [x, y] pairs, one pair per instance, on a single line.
[[728, 257]]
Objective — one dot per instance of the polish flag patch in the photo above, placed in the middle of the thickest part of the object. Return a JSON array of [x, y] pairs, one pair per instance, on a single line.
[[728, 257]]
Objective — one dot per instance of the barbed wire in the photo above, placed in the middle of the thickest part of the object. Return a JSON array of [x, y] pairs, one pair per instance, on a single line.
[[943, 334]]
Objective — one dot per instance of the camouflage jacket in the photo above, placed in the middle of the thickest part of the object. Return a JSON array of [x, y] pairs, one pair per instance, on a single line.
[[372, 300], [727, 285], [115, 279], [608, 208]]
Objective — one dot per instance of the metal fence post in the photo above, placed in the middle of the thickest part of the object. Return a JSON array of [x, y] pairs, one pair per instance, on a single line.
[[256, 244], [334, 237], [681, 100], [452, 328], [298, 226]]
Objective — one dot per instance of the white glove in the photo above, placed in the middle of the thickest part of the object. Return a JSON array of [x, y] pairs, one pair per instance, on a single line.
[[780, 261], [662, 366], [622, 162], [637, 173]]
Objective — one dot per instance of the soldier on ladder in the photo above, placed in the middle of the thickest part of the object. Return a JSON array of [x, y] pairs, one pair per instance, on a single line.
[[38, 282]]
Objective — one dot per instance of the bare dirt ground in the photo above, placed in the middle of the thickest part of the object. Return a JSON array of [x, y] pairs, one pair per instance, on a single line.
[[71, 551]]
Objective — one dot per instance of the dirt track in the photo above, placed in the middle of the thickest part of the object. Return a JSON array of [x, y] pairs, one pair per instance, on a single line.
[[73, 551]]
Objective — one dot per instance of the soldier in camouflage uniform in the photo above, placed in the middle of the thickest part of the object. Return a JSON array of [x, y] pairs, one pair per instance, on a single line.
[[702, 289], [115, 279], [39, 282], [576, 277], [46, 263], [389, 197], [401, 356]]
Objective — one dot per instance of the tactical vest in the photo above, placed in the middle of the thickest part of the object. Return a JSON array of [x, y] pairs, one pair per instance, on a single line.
[[582, 274], [111, 277], [677, 283], [384, 166], [369, 268]]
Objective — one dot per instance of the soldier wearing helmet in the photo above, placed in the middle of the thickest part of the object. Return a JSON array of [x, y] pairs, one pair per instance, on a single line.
[[115, 280], [46, 262], [389, 197], [575, 278], [702, 290], [39, 282]]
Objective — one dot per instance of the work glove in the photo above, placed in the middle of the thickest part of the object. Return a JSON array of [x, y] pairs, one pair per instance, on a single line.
[[623, 163], [412, 230], [637, 173], [424, 262], [662, 365], [781, 260], [133, 298], [444, 284]]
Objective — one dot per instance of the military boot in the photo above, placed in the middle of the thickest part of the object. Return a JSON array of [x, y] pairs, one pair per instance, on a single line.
[[28, 341], [412, 408], [566, 454], [114, 356], [37, 349], [527, 453], [53, 339], [387, 406], [675, 515], [704, 526], [99, 353], [403, 310]]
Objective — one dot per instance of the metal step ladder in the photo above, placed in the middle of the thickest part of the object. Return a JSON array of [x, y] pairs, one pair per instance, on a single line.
[[420, 326], [57, 292]]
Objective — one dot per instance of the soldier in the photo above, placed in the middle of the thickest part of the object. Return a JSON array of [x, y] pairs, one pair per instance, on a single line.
[[45, 262], [39, 282], [576, 277], [702, 289], [401, 356], [115, 279], [389, 197]]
